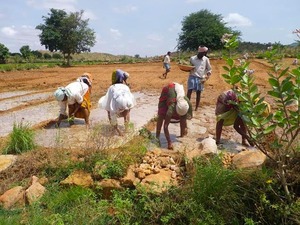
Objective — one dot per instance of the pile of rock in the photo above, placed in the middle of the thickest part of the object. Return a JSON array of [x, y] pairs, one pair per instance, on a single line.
[[19, 196], [158, 170]]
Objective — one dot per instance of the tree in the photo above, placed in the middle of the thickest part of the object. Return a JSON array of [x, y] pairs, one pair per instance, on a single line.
[[4, 53], [66, 33], [203, 28], [25, 52], [37, 54]]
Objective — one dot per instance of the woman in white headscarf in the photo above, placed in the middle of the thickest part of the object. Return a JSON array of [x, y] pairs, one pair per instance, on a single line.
[[118, 102], [173, 104], [75, 97]]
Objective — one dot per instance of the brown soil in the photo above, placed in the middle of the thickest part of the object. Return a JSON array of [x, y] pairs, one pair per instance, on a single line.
[[143, 77]]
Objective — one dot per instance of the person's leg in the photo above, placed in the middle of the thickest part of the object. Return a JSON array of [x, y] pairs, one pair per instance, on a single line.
[[183, 126], [166, 73], [86, 117], [108, 115], [126, 115], [241, 128], [189, 93], [160, 120], [219, 127], [198, 97], [166, 131], [71, 109]]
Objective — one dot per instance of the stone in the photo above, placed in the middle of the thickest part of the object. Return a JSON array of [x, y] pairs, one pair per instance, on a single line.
[[208, 146], [159, 182], [129, 179], [34, 192], [107, 185], [6, 161], [249, 159], [80, 178], [13, 198]]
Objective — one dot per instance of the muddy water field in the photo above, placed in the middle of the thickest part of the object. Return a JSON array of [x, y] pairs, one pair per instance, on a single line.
[[27, 96]]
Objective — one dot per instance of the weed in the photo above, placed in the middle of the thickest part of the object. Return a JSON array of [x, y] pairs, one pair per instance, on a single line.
[[21, 139], [109, 169]]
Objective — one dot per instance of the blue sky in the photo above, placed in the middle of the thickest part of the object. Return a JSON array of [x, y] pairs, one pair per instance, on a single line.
[[148, 27]]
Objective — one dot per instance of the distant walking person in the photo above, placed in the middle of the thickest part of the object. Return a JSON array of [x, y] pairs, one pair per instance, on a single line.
[[167, 64], [199, 74]]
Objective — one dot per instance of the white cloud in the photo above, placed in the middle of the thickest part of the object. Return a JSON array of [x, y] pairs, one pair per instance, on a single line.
[[15, 37], [125, 9], [9, 31], [237, 20], [116, 33]]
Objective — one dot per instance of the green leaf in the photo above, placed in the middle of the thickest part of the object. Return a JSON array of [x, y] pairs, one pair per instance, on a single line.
[[226, 68], [254, 89], [269, 129], [287, 86], [283, 72], [254, 121], [273, 82], [274, 94], [235, 79], [230, 62], [226, 76]]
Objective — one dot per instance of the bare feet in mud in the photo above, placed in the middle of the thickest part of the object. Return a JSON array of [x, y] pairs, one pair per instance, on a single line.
[[170, 147]]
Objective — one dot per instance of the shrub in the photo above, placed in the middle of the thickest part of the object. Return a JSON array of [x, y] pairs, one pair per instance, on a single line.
[[109, 169], [275, 134], [74, 205], [216, 189], [21, 139]]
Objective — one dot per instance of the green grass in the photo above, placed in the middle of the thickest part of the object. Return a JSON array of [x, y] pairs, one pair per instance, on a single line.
[[21, 139]]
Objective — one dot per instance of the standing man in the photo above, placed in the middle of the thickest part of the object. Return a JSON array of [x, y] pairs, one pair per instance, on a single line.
[[167, 64], [199, 74]]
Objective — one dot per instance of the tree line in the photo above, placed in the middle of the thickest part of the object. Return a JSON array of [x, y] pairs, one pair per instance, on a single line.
[[67, 34]]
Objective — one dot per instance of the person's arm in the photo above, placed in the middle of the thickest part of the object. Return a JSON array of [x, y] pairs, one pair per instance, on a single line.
[[208, 69], [77, 106], [166, 131], [62, 112]]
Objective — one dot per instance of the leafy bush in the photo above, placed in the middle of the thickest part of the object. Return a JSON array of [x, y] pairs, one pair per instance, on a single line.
[[216, 189], [74, 205], [109, 169], [21, 139], [276, 134]]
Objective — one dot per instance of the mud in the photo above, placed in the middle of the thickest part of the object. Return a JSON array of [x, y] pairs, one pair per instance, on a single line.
[[27, 96]]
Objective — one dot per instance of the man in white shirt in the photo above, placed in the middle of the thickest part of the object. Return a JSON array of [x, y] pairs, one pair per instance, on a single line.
[[199, 74], [167, 64], [76, 97]]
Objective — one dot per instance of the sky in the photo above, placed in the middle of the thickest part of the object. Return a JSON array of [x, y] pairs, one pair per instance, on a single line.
[[148, 27]]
